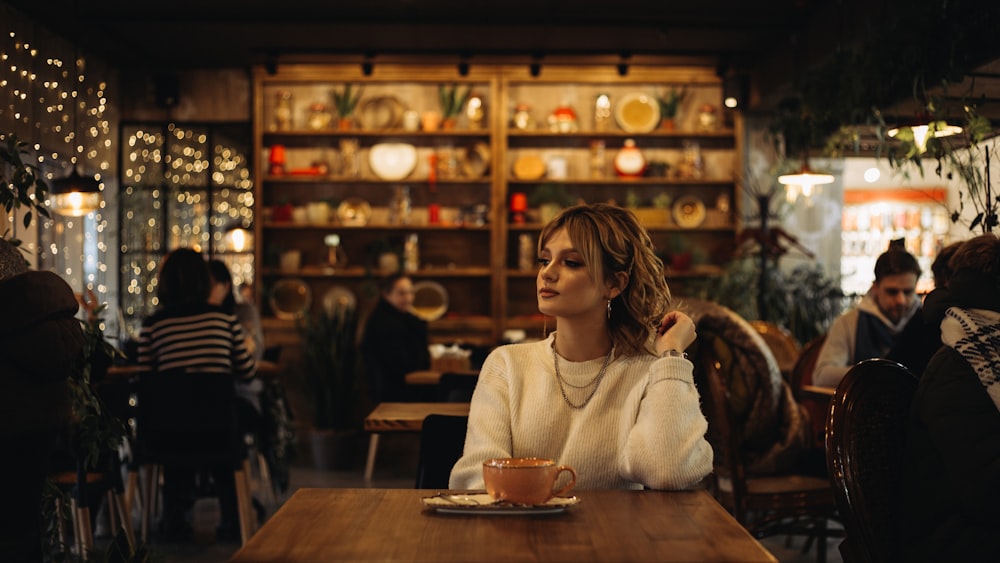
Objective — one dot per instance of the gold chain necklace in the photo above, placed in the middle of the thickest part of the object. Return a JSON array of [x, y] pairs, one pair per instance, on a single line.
[[596, 382]]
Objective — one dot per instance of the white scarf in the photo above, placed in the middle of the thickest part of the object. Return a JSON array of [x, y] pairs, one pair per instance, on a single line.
[[975, 334]]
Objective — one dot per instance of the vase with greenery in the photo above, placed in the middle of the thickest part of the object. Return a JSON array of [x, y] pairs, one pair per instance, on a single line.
[[332, 369], [669, 104], [346, 101], [550, 198], [452, 99]]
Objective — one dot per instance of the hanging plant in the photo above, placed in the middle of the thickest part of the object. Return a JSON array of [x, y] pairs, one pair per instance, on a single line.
[[21, 184]]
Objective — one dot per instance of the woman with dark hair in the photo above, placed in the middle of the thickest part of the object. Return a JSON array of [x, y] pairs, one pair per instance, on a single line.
[[394, 341], [610, 392], [951, 483], [189, 335], [223, 295]]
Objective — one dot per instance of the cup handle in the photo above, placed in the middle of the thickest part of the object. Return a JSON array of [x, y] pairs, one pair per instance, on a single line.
[[572, 480]]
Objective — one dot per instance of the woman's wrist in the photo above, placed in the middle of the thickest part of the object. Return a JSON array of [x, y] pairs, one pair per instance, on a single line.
[[673, 353]]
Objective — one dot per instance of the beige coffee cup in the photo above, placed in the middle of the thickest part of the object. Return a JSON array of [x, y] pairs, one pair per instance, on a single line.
[[524, 480]]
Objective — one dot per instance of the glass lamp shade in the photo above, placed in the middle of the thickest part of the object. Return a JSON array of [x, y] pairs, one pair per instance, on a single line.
[[75, 195], [806, 177], [925, 129]]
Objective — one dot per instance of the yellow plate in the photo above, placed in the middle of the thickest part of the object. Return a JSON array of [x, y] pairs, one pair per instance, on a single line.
[[637, 113], [689, 212]]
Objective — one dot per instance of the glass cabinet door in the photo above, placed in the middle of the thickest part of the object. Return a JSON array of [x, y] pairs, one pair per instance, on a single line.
[[183, 185]]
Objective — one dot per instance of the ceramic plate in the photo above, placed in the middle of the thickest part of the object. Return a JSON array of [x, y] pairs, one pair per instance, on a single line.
[[338, 297], [637, 113], [529, 167], [354, 212], [482, 503], [290, 298], [689, 212], [381, 112], [392, 161], [430, 300]]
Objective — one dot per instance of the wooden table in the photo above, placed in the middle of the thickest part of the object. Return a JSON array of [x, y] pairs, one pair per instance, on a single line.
[[402, 417], [432, 377], [264, 367], [607, 525]]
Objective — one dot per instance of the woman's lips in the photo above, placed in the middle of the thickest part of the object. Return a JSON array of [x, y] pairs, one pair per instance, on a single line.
[[546, 292]]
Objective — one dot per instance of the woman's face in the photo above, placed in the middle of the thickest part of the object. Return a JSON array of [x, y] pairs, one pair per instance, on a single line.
[[218, 292], [564, 284], [401, 294]]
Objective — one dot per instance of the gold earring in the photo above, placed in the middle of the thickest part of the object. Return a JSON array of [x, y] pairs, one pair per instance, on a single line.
[[609, 309]]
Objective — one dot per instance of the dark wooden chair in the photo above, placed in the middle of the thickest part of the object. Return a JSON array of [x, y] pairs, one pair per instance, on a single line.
[[786, 504], [189, 419], [866, 437], [815, 405], [455, 387], [442, 440]]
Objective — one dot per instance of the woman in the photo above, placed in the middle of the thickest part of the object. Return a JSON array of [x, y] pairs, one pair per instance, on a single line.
[[187, 334], [610, 392], [223, 295], [394, 341], [951, 483]]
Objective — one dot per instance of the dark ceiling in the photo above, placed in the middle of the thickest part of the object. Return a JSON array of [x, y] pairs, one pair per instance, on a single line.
[[770, 41]]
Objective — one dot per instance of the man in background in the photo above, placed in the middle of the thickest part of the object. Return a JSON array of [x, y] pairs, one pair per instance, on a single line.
[[870, 329]]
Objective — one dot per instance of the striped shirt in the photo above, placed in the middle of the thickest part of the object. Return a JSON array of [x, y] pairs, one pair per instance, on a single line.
[[198, 338]]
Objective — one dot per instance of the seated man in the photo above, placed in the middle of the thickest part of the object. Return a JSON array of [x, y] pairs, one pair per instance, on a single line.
[[870, 329]]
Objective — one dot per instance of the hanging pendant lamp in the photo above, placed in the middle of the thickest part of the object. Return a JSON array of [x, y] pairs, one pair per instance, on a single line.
[[75, 195], [923, 127]]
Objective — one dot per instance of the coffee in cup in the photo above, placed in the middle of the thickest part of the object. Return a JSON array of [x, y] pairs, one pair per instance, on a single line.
[[524, 480]]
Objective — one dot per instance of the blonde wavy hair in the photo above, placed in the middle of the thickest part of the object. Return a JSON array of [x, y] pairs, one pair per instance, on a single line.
[[612, 240]]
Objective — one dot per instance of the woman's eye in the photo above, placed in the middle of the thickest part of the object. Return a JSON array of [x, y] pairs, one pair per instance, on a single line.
[[574, 264], [542, 261]]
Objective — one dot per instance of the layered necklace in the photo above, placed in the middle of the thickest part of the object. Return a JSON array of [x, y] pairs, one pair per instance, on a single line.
[[596, 382]]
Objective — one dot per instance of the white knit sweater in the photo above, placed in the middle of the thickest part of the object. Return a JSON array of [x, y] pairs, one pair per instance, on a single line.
[[643, 427]]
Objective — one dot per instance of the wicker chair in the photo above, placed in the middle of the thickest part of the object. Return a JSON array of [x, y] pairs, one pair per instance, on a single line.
[[866, 435], [787, 504], [816, 405], [783, 345]]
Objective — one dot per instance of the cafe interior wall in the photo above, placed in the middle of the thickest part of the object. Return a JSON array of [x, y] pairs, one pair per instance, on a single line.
[[36, 104]]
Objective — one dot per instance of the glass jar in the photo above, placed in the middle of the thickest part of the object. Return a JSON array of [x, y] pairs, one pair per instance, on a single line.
[[283, 111], [319, 117], [399, 206], [349, 163], [411, 253]]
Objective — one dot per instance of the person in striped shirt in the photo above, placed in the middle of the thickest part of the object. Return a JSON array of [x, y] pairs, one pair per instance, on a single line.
[[188, 334]]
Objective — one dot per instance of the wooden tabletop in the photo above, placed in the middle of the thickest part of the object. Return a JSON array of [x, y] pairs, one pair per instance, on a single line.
[[408, 417], [432, 377], [264, 367], [607, 525]]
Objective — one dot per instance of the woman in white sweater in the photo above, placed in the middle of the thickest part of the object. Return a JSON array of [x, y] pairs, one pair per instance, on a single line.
[[610, 391]]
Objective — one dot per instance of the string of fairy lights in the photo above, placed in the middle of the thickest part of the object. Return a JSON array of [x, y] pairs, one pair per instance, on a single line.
[[180, 185], [50, 101]]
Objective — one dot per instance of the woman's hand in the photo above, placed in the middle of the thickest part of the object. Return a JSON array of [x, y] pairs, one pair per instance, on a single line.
[[676, 332]]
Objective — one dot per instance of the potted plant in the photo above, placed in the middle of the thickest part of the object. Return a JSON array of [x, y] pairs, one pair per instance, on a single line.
[[346, 101], [550, 199], [452, 100], [669, 104], [21, 184], [331, 371]]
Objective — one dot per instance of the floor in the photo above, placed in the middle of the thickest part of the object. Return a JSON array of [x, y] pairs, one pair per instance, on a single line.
[[394, 468]]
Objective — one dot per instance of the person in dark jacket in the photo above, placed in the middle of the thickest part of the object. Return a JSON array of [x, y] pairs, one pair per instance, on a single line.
[[394, 341], [41, 347], [951, 481]]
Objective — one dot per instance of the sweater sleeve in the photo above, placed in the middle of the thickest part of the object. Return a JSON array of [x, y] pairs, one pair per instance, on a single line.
[[489, 432], [835, 357], [666, 447]]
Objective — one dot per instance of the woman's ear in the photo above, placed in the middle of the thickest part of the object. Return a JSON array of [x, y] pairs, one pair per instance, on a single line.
[[618, 285]]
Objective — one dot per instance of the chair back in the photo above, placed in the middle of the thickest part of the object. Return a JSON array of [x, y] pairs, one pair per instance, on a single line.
[[866, 438], [442, 440], [805, 364], [187, 418], [722, 434], [456, 387], [780, 341]]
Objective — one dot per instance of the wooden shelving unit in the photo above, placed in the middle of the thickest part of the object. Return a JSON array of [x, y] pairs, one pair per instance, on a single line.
[[477, 262]]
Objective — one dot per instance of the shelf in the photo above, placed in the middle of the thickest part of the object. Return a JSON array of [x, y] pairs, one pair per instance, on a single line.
[[358, 272], [293, 137], [317, 179], [720, 182], [281, 225]]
